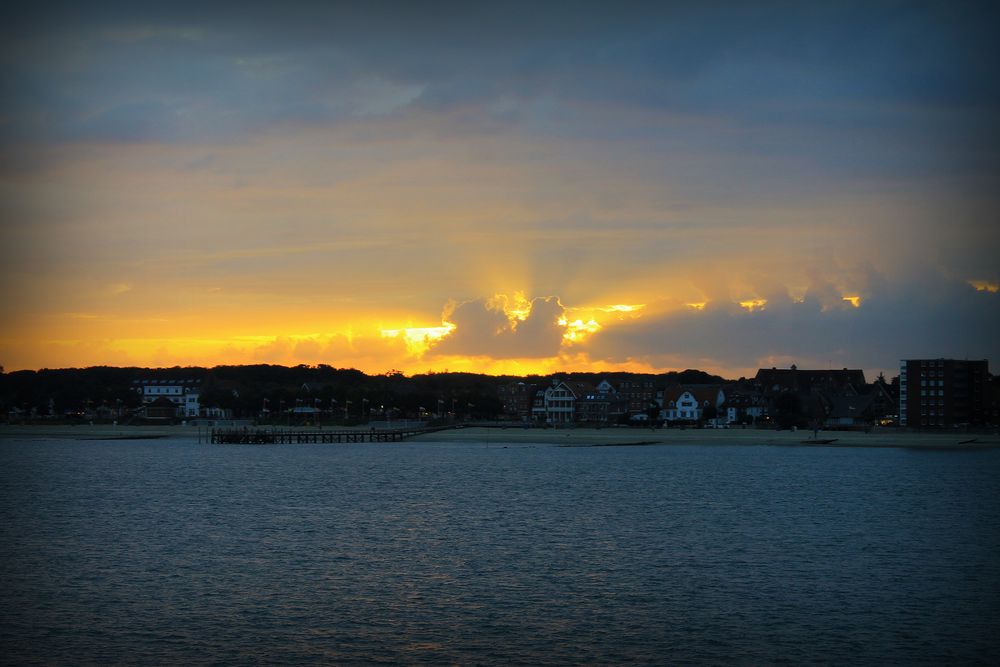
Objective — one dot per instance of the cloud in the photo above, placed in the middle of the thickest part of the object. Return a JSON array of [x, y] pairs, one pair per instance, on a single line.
[[324, 164], [190, 71], [893, 321], [483, 328]]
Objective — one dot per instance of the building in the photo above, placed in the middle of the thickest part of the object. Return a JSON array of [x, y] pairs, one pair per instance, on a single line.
[[885, 402], [851, 411], [600, 405], [638, 392], [556, 403], [516, 399], [993, 403], [938, 393], [773, 381], [184, 394], [691, 403], [160, 408], [566, 402], [743, 406]]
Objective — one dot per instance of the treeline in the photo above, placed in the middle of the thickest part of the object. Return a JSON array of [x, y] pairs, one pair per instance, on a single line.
[[247, 390]]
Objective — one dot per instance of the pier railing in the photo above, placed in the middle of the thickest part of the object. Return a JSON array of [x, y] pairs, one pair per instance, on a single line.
[[267, 436]]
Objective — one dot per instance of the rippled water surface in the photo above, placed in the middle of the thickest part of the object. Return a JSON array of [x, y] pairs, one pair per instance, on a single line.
[[171, 551]]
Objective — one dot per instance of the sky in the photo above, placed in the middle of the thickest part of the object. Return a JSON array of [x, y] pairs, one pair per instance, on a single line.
[[500, 187]]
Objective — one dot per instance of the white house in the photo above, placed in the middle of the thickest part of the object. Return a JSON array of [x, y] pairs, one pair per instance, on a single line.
[[689, 403], [182, 393], [556, 404]]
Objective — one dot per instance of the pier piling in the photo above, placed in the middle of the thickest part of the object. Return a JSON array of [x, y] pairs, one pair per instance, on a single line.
[[263, 436]]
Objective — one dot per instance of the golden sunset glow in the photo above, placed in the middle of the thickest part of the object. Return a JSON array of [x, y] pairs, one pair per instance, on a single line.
[[517, 307], [753, 305], [623, 308], [419, 339], [578, 330], [386, 198]]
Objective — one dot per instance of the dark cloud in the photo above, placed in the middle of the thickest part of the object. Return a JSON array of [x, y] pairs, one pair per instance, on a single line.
[[918, 319], [483, 329], [243, 66]]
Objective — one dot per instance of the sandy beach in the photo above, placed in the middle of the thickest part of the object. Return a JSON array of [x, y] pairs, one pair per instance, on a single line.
[[571, 437], [583, 437]]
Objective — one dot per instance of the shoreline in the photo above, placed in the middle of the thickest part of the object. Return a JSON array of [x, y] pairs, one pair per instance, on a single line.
[[613, 437], [572, 437]]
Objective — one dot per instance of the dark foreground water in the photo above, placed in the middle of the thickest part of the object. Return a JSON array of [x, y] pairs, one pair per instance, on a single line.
[[174, 552]]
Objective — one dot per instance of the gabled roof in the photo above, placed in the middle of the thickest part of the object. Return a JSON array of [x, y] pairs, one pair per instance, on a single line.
[[795, 379], [701, 393], [162, 402], [578, 389]]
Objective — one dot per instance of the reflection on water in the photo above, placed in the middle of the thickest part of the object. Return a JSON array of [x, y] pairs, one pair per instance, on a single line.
[[174, 551]]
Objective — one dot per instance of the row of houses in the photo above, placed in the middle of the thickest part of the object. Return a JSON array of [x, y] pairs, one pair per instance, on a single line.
[[928, 393], [833, 398], [567, 402]]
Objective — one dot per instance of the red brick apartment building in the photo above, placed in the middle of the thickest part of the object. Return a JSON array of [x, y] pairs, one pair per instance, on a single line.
[[939, 393]]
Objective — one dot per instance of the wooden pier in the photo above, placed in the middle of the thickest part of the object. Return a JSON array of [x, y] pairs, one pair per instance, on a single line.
[[267, 436]]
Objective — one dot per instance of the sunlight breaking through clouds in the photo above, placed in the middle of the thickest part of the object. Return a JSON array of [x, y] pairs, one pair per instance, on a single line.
[[578, 330], [753, 305], [516, 307], [419, 339], [202, 189]]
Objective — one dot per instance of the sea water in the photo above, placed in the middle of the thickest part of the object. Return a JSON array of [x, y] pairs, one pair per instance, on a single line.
[[177, 552]]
